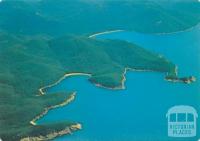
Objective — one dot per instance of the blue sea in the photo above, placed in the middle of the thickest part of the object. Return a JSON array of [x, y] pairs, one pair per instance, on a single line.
[[137, 113]]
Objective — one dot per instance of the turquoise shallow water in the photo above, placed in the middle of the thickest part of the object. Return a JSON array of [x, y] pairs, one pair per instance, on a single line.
[[139, 112]]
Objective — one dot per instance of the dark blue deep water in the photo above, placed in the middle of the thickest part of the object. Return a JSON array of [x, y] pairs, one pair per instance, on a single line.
[[138, 112]]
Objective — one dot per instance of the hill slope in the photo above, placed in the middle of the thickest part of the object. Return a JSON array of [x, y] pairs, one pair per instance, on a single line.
[[65, 16]]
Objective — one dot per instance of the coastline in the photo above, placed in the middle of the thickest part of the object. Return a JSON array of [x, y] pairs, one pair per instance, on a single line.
[[105, 32], [78, 126], [67, 130], [134, 70], [46, 110], [175, 32], [72, 97], [59, 80], [53, 135], [122, 86], [164, 33]]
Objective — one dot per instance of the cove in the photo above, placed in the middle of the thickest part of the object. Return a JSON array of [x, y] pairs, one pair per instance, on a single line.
[[137, 113]]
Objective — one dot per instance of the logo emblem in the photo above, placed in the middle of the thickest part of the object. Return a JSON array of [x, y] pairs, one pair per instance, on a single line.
[[182, 121]]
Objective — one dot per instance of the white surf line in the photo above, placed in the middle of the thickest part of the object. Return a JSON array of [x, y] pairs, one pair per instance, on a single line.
[[106, 32]]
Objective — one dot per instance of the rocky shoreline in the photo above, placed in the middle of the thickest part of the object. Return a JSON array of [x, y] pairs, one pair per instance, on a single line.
[[67, 101], [67, 130]]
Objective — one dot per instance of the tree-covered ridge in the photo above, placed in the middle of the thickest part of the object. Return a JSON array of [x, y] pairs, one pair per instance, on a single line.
[[29, 63], [90, 16]]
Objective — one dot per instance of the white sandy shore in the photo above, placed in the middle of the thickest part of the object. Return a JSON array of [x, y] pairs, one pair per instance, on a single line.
[[118, 30], [106, 32], [41, 90]]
